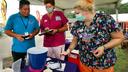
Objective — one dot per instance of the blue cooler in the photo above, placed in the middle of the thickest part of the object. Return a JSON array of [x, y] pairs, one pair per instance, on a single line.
[[37, 58]]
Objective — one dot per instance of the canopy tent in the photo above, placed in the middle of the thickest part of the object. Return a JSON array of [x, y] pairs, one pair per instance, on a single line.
[[69, 4]]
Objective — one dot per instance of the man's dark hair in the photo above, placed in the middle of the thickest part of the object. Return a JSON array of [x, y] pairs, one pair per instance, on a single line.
[[23, 2], [52, 2]]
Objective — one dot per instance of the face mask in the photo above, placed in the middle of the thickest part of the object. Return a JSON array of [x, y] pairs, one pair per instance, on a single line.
[[49, 9], [80, 17]]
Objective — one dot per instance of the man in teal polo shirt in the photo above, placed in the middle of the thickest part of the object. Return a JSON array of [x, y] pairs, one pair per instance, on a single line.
[[22, 27]]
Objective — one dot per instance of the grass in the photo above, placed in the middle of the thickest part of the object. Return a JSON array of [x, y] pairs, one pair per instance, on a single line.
[[122, 60], [1, 33], [7, 62]]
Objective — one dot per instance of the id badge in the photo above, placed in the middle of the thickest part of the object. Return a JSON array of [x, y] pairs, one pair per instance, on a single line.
[[26, 33], [58, 18]]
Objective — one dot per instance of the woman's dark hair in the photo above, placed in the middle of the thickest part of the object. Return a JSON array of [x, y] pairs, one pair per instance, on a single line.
[[23, 2], [52, 2]]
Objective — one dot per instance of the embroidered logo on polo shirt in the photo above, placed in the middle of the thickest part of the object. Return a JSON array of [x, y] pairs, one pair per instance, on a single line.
[[58, 18]]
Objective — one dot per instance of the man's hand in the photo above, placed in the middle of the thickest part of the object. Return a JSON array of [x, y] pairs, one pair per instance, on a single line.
[[19, 37], [31, 36]]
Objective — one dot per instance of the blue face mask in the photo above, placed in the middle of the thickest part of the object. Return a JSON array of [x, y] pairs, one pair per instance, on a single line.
[[50, 9], [80, 17]]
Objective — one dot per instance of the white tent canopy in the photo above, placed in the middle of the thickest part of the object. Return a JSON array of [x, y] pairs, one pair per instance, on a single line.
[[69, 4]]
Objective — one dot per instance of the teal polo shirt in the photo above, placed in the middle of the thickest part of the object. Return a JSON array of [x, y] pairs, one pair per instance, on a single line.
[[19, 25]]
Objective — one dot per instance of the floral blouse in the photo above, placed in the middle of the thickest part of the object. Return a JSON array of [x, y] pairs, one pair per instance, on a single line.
[[90, 38]]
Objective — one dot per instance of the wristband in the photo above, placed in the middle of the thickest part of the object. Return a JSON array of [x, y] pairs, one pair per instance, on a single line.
[[104, 47]]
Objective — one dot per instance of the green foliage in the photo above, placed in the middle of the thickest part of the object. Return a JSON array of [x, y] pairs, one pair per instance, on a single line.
[[123, 8], [70, 15], [107, 10], [1, 31]]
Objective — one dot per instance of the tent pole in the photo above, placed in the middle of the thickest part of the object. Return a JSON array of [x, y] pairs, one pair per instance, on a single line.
[[117, 15], [117, 12]]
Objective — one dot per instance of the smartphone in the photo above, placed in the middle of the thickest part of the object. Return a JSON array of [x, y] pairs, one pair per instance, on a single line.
[[25, 36]]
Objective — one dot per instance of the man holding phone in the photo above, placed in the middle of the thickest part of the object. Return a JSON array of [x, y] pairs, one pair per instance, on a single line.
[[22, 27]]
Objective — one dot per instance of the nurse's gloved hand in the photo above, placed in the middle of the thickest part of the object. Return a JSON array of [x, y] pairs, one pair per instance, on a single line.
[[47, 31], [54, 31], [19, 37], [64, 53], [47, 28]]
